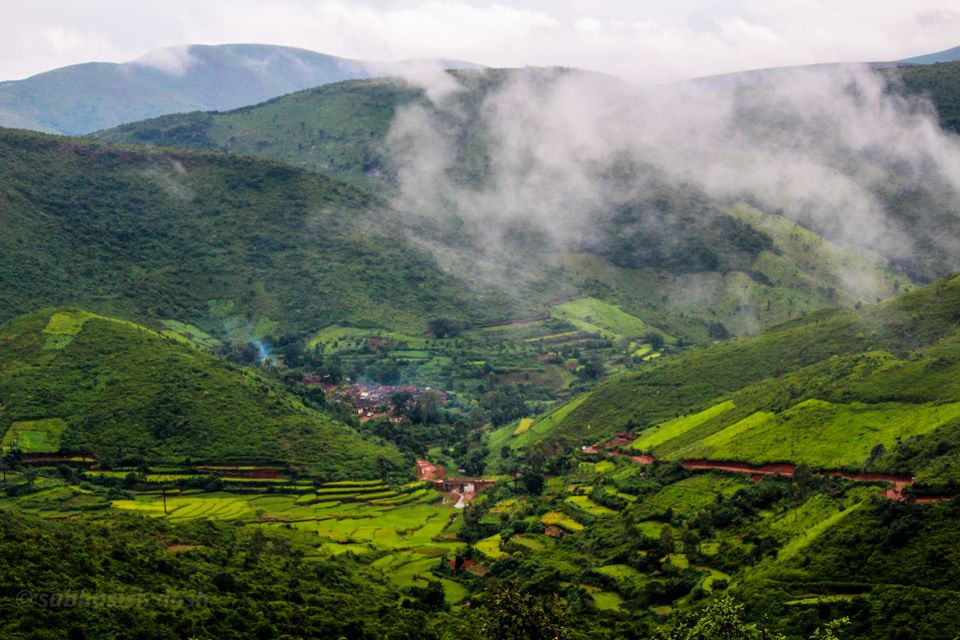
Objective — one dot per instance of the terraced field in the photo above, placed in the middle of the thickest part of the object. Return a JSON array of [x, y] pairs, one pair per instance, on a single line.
[[663, 432], [401, 530], [820, 433], [594, 316], [35, 436]]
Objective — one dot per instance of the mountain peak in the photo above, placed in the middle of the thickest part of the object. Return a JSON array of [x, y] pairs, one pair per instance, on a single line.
[[82, 98]]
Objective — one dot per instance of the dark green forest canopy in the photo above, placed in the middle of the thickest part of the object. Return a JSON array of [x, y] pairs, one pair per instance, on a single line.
[[219, 241]]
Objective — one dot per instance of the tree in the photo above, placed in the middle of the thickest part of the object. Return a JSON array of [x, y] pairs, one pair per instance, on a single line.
[[717, 331], [655, 340], [8, 462], [514, 614], [504, 406], [476, 461], [399, 401], [426, 407], [666, 540], [592, 368], [445, 327], [430, 597], [533, 482]]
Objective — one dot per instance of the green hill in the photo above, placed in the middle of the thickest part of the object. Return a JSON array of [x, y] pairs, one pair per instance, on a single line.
[[334, 129], [340, 130], [236, 246], [75, 382], [939, 82], [836, 389], [87, 97], [673, 257], [947, 55]]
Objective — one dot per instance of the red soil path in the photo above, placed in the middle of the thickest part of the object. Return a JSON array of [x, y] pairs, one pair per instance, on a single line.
[[429, 471], [896, 492]]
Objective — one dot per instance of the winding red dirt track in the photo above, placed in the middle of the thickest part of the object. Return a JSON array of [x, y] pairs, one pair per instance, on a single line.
[[429, 471], [896, 492]]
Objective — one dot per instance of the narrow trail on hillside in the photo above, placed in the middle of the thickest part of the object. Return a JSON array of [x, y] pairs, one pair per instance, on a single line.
[[896, 492]]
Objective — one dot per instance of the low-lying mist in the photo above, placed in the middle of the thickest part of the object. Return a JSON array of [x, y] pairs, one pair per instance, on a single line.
[[576, 159]]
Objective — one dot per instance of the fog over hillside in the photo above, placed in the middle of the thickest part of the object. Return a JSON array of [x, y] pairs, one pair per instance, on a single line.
[[832, 148]]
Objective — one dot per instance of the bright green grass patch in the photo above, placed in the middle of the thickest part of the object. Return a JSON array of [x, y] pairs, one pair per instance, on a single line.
[[665, 431], [490, 547], [56, 341], [351, 491], [679, 560], [522, 426], [561, 520], [403, 498], [530, 541], [504, 506], [603, 600], [607, 600], [335, 548], [213, 506], [828, 599], [642, 351], [541, 426], [801, 519], [35, 436], [191, 333], [149, 508], [799, 542], [68, 322], [354, 483], [618, 571], [174, 477], [652, 528], [330, 336], [454, 592], [584, 503], [596, 316], [552, 336], [722, 439], [597, 467], [708, 582], [822, 433]]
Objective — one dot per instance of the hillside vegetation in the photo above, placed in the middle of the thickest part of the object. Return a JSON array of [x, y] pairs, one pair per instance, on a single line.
[[236, 246], [685, 263], [87, 97], [73, 382], [837, 389]]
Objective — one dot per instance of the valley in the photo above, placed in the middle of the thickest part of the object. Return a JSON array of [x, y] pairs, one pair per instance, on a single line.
[[484, 353]]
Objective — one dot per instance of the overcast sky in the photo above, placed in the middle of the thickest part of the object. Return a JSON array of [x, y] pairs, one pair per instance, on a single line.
[[640, 40]]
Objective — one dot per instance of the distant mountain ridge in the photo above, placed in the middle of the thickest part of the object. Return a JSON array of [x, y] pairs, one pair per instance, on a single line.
[[87, 97], [947, 55]]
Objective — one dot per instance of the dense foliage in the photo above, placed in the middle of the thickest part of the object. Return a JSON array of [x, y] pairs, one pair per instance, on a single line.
[[236, 246], [130, 395]]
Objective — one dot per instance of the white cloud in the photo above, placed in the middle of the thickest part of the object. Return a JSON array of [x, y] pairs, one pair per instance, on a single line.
[[173, 60], [642, 40]]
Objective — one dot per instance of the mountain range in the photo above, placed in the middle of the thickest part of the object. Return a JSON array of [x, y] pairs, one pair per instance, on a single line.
[[87, 97], [474, 349]]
